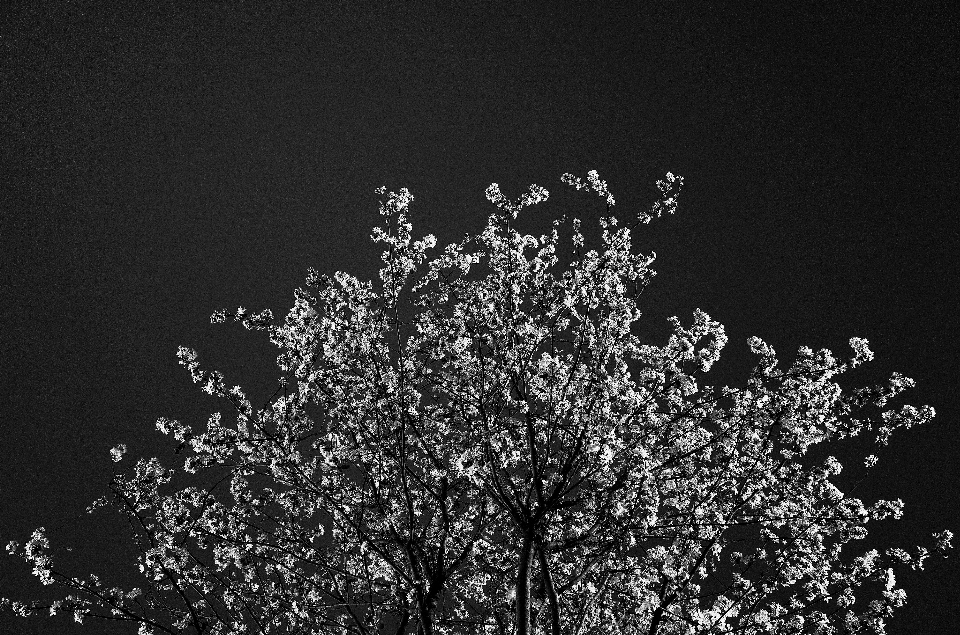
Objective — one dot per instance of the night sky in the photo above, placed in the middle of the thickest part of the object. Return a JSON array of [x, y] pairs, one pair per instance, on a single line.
[[160, 160]]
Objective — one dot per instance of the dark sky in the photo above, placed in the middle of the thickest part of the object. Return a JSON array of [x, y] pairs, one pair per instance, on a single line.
[[161, 160]]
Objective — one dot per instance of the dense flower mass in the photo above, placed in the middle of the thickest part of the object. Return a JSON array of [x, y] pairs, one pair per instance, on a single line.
[[480, 442]]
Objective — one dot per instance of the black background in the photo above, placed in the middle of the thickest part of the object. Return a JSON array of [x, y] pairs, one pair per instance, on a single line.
[[161, 160]]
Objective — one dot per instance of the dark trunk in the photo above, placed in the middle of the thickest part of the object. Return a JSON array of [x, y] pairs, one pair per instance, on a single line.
[[523, 586], [551, 592], [402, 626], [425, 607]]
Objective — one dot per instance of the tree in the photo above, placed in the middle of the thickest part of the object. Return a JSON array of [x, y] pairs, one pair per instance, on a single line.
[[482, 444]]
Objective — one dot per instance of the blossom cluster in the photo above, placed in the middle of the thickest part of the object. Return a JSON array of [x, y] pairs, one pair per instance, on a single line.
[[481, 442]]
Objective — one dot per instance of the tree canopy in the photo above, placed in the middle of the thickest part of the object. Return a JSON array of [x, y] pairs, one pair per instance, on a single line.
[[479, 442]]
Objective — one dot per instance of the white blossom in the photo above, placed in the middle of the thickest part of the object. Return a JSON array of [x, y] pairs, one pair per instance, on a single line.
[[117, 452]]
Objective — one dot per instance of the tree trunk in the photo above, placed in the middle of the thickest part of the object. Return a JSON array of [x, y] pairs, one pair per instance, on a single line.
[[551, 592], [523, 586], [424, 604]]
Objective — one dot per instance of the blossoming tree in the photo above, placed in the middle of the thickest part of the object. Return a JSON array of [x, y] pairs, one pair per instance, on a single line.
[[480, 443]]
